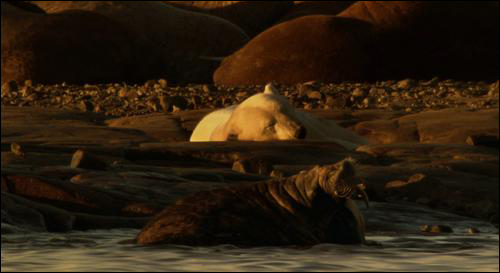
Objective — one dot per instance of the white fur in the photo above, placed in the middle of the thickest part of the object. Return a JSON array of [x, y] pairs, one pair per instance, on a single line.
[[269, 116]]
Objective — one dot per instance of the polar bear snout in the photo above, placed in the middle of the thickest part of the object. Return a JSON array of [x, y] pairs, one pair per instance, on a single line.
[[301, 133]]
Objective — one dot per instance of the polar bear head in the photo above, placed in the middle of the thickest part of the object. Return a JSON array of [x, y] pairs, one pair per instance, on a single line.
[[262, 117]]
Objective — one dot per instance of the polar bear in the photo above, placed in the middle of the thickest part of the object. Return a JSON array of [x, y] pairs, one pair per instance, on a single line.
[[269, 116]]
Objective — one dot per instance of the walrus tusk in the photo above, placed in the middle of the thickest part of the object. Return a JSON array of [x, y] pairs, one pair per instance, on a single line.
[[361, 189]]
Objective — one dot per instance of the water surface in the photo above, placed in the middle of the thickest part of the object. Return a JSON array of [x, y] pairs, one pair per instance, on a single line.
[[400, 247]]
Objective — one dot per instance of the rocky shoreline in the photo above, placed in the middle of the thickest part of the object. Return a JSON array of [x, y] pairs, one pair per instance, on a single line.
[[118, 100], [435, 144]]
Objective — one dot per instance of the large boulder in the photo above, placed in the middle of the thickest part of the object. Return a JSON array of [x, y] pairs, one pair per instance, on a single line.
[[251, 16], [72, 46], [423, 39], [184, 42], [317, 47]]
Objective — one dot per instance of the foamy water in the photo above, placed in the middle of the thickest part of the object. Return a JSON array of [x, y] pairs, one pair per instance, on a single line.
[[102, 250]]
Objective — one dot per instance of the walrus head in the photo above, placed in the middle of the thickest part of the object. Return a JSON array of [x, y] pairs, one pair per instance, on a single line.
[[337, 182], [341, 182]]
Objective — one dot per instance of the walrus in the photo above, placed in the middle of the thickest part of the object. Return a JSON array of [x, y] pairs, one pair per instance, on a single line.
[[269, 116], [322, 48], [464, 35], [309, 208], [183, 43], [73, 46], [305, 8], [252, 16]]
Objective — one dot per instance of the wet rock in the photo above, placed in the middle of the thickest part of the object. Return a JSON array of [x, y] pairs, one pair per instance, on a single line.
[[452, 177], [85, 221], [16, 149], [86, 160], [442, 126], [483, 140], [473, 230], [436, 229], [69, 196], [40, 216], [257, 166], [20, 216]]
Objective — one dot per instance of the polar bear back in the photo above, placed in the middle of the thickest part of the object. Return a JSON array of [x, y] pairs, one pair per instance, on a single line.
[[210, 122]]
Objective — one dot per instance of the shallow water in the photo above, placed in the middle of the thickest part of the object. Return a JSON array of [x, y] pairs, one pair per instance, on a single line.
[[400, 249]]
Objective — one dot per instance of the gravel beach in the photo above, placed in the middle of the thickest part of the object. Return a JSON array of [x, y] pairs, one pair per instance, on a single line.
[[118, 100]]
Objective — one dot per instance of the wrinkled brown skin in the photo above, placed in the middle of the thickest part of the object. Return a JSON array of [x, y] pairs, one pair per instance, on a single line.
[[425, 39], [304, 8], [300, 210], [318, 47], [179, 39], [73, 47], [252, 16]]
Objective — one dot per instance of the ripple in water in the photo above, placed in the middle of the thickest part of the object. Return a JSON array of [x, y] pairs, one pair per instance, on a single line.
[[101, 250]]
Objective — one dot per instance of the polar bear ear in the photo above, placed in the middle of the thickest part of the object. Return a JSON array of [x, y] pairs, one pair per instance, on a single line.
[[271, 89]]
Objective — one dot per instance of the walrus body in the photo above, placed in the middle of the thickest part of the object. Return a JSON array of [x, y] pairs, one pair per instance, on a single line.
[[306, 209]]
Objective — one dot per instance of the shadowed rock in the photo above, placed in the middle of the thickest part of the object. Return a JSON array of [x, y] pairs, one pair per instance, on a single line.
[[310, 208], [34, 216], [441, 126]]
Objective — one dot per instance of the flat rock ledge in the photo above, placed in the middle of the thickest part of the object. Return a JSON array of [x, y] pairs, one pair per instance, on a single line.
[[444, 159]]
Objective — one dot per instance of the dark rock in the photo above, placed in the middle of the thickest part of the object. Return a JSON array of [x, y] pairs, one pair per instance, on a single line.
[[16, 149], [86, 106], [86, 160], [483, 140], [8, 87], [38, 215], [257, 166], [436, 229], [85, 221], [442, 126], [473, 230]]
